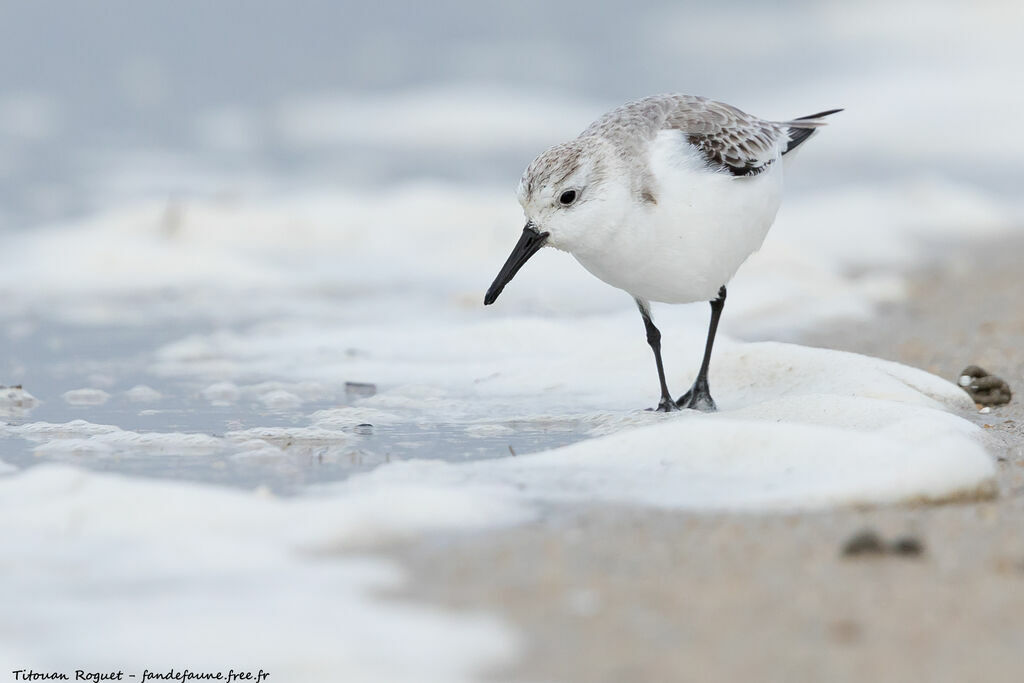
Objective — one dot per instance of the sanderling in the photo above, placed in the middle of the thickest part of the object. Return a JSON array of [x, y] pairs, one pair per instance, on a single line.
[[664, 198]]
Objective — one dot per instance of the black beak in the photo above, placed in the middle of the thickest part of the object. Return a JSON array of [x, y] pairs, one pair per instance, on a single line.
[[531, 240]]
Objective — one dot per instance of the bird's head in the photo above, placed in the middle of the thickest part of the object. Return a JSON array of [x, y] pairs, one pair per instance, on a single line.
[[572, 195]]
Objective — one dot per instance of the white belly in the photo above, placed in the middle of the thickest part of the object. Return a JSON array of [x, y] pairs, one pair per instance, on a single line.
[[692, 241]]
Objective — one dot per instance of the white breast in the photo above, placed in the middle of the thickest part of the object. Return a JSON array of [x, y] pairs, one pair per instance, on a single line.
[[702, 228]]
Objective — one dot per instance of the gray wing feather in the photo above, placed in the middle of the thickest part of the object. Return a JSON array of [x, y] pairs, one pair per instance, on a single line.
[[729, 139]]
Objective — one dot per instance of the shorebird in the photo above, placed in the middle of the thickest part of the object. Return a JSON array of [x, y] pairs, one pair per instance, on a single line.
[[663, 198]]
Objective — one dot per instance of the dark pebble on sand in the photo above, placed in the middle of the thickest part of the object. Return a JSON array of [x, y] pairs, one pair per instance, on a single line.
[[864, 542], [984, 388], [908, 546], [868, 542]]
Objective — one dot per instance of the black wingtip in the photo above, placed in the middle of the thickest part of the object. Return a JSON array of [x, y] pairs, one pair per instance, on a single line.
[[819, 115], [798, 136]]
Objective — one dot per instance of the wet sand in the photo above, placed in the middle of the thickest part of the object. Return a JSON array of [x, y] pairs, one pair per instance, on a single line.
[[629, 594]]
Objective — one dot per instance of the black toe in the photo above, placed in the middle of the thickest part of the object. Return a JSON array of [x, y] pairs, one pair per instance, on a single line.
[[698, 398], [666, 406]]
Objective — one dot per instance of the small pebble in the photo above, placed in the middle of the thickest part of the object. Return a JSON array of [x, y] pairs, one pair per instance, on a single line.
[[868, 542], [865, 542], [365, 428], [907, 545], [986, 389]]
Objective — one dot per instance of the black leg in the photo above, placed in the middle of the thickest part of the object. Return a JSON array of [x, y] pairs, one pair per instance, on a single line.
[[666, 404], [699, 396]]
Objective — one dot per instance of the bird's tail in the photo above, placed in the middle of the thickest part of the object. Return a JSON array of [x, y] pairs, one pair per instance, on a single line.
[[799, 129]]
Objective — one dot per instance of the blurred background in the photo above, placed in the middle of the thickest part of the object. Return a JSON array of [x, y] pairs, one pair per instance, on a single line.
[[112, 101]]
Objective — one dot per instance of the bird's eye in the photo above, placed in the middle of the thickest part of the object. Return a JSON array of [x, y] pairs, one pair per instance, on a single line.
[[567, 197]]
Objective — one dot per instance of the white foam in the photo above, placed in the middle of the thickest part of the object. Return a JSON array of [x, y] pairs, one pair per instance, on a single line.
[[15, 401], [280, 400], [80, 437], [352, 416], [733, 465], [796, 422], [800, 428], [141, 393], [132, 444], [86, 397], [222, 393], [832, 253], [291, 443], [45, 431], [272, 578]]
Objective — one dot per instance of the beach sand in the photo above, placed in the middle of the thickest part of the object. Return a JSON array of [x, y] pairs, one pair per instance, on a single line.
[[629, 594]]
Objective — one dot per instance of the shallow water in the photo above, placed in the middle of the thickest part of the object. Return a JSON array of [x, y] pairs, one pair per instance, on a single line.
[[50, 360]]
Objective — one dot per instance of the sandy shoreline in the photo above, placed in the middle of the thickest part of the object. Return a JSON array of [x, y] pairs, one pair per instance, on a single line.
[[617, 594]]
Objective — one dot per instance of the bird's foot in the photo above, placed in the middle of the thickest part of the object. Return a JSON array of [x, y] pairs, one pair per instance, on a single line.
[[665, 405], [698, 398]]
